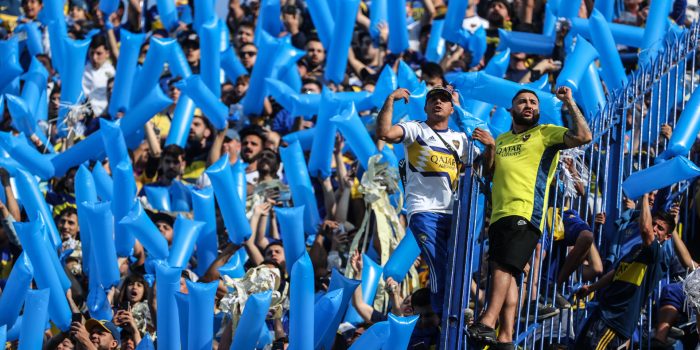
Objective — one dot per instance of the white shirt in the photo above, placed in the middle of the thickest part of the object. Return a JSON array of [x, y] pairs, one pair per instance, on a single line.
[[95, 85], [474, 22], [431, 170]]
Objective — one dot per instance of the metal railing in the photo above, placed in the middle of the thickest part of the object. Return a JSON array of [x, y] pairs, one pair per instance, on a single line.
[[625, 140]]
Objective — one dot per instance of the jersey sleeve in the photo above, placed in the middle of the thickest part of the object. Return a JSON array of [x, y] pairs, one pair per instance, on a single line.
[[553, 135], [410, 131]]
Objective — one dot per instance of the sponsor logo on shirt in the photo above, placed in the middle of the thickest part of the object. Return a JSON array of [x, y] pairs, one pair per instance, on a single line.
[[509, 151]]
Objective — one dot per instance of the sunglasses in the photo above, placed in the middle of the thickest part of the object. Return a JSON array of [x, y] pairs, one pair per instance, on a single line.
[[248, 53]]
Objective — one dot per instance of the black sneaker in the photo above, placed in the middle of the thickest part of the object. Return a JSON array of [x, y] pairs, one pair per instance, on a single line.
[[560, 302], [675, 333], [482, 334], [543, 311]]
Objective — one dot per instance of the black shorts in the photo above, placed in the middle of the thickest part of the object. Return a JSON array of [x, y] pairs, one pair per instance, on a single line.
[[512, 240]]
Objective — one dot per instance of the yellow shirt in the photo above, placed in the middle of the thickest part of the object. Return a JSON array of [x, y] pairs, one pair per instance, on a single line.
[[524, 167]]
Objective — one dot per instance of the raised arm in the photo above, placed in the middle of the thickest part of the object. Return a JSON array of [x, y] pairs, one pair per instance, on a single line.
[[385, 131], [579, 133], [485, 138], [646, 228]]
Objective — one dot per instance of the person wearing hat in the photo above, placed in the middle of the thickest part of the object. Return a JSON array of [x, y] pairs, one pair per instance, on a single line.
[[190, 44], [434, 156], [96, 334]]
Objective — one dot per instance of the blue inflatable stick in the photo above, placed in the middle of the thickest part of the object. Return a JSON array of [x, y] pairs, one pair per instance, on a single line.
[[337, 59], [610, 62], [623, 34], [103, 182], [253, 100], [301, 295], [210, 42], [591, 95], [324, 310], [232, 66], [253, 319], [659, 176], [207, 242], [129, 51], [239, 180], [182, 121], [159, 51], [299, 181], [101, 224], [30, 235], [186, 232], [204, 13], [355, 134], [291, 224], [576, 64], [167, 13], [400, 329], [402, 258], [16, 287], [85, 192], [371, 272], [36, 303], [141, 226], [234, 267], [232, 208], [124, 189], [386, 84], [686, 129], [348, 286], [322, 17], [9, 55], [201, 314], [158, 197], [436, 44], [398, 33], [305, 138], [212, 107], [168, 327], [26, 155], [374, 338], [322, 147], [35, 205]]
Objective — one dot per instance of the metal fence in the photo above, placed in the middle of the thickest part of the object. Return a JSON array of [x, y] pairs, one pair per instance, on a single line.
[[625, 140]]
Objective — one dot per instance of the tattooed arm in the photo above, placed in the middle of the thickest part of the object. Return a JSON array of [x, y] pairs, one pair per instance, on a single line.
[[579, 133]]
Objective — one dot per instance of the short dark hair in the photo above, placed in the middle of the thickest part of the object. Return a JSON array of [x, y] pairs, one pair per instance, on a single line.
[[420, 297], [668, 218], [173, 151], [68, 210], [97, 41], [432, 70], [247, 24], [523, 91]]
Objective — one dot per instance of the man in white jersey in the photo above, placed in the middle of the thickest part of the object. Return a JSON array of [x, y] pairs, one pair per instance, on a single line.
[[434, 155]]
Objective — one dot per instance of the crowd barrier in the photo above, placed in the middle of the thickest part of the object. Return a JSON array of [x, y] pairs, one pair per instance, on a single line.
[[623, 161]]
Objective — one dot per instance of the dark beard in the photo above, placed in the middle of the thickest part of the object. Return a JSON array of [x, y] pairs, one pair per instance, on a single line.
[[495, 19], [519, 119]]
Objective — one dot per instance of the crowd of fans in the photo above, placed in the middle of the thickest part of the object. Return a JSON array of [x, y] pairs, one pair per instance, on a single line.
[[255, 140]]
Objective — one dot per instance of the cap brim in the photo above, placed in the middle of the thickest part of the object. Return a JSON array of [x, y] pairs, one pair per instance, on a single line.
[[93, 323]]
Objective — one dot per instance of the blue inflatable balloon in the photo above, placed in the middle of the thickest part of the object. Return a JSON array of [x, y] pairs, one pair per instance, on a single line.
[[232, 66], [436, 44], [655, 30], [45, 274], [591, 95], [530, 43], [253, 319], [182, 121], [322, 18], [158, 52], [400, 330], [9, 55], [185, 234], [201, 315], [72, 76], [686, 129], [356, 135], [386, 84], [549, 26], [235, 266], [97, 302], [92, 147], [101, 223], [239, 180], [337, 57], [322, 147], [371, 272], [13, 332], [269, 18], [305, 105], [51, 253], [210, 42], [406, 77], [501, 121], [348, 286], [34, 204], [453, 30], [16, 287], [207, 101], [416, 103], [540, 84], [146, 343], [108, 7], [301, 296], [402, 258], [3, 334], [254, 98], [281, 92], [33, 41], [177, 63], [374, 338], [113, 141], [167, 13], [297, 176], [183, 311], [324, 310], [35, 317], [232, 208], [207, 242], [623, 34], [305, 138], [575, 64], [34, 86], [610, 62], [291, 225], [158, 197], [378, 13], [141, 226], [84, 192], [204, 13], [659, 176], [57, 33], [103, 182], [500, 92], [168, 326], [126, 69], [28, 156], [180, 197], [124, 188]]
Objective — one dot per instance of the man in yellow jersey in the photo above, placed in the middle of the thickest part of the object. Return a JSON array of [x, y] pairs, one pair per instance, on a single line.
[[522, 163], [434, 154]]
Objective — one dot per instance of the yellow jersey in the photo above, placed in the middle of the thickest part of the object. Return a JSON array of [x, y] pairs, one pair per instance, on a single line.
[[524, 167]]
